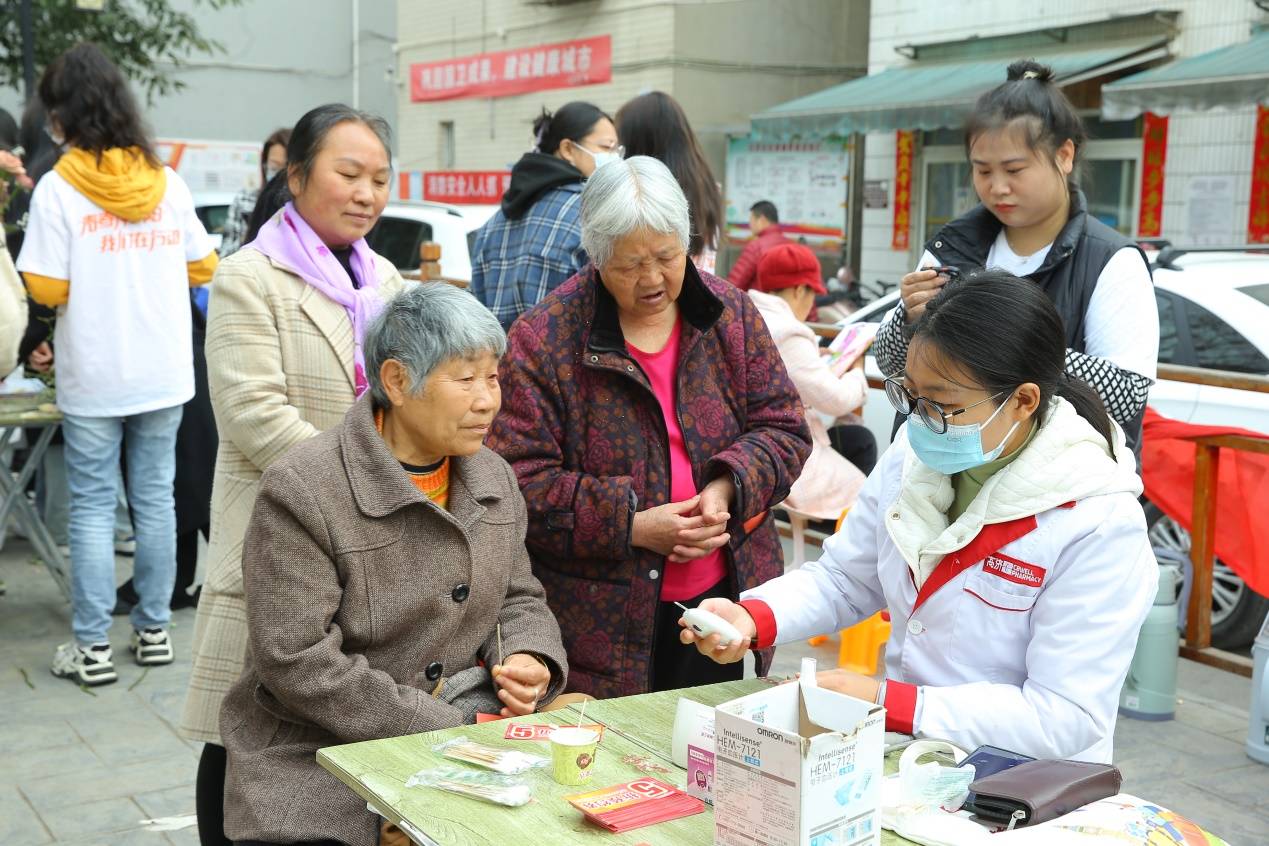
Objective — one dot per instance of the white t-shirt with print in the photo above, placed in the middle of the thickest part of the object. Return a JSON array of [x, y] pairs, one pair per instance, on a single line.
[[123, 343], [1122, 321]]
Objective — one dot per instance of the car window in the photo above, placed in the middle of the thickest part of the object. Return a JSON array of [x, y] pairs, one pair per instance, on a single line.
[[213, 218], [874, 312], [1168, 336], [1220, 346], [398, 239], [1257, 292]]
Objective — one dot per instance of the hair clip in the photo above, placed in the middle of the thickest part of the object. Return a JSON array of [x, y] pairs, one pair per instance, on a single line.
[[1031, 75]]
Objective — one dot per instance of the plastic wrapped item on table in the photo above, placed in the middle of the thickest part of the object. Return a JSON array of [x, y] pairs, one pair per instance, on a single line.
[[488, 787], [505, 761]]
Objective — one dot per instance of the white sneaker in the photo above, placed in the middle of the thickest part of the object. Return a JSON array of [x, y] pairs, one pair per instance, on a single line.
[[92, 666], [151, 646]]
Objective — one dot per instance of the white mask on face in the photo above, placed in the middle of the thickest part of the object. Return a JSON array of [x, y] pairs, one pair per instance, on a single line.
[[270, 172], [603, 157]]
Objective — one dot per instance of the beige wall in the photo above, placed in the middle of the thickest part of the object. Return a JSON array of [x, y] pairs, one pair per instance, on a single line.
[[723, 60]]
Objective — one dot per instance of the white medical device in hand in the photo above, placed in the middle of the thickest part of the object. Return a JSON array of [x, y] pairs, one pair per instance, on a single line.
[[706, 623]]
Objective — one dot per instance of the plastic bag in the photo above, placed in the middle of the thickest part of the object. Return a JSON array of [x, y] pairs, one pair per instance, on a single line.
[[488, 787], [505, 761]]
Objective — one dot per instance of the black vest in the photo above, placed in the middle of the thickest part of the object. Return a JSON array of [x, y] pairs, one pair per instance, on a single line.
[[1068, 275]]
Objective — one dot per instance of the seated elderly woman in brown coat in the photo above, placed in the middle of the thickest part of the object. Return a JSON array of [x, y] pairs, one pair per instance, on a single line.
[[380, 558]]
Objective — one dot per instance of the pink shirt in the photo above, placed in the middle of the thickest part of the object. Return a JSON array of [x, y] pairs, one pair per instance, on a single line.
[[682, 580]]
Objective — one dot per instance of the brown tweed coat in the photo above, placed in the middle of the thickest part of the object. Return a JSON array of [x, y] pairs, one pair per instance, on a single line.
[[361, 595], [280, 370]]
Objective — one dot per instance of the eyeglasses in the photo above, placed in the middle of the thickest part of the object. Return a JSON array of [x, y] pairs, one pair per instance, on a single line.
[[930, 413]]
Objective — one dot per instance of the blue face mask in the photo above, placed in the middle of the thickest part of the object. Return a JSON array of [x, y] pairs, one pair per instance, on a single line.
[[959, 448]]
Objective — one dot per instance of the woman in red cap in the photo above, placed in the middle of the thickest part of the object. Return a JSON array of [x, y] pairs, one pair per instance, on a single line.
[[788, 280]]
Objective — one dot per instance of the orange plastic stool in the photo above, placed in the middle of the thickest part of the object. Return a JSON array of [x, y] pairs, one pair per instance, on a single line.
[[819, 639], [861, 643]]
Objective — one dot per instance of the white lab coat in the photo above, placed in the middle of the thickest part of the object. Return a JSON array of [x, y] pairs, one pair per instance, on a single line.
[[1027, 646]]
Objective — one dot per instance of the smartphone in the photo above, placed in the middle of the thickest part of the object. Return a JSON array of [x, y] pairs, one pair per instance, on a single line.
[[989, 760], [951, 271]]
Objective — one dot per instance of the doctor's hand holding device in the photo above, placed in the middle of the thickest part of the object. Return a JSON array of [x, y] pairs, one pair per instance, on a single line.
[[1001, 531]]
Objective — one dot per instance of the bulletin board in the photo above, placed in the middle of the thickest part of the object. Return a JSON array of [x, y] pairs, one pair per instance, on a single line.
[[807, 182]]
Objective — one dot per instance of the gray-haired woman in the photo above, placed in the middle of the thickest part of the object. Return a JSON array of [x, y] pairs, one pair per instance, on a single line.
[[284, 341], [652, 426], [405, 538]]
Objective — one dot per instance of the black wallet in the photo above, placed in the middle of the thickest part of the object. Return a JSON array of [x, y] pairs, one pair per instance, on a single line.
[[1038, 791]]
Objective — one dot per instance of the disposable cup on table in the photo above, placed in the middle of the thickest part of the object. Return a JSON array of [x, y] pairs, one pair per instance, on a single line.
[[573, 752]]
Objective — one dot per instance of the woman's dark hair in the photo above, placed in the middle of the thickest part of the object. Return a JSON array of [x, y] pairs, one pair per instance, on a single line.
[[1031, 97], [91, 101], [654, 124], [278, 136], [1005, 331], [573, 121], [274, 195], [9, 135], [311, 130]]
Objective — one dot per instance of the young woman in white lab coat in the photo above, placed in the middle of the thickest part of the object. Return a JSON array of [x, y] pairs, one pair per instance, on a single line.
[[1001, 530]]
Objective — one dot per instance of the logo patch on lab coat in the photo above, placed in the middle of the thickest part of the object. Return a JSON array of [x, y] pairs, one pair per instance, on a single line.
[[1013, 570]]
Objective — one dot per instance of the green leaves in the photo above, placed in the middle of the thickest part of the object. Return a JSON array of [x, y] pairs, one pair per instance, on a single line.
[[145, 38]]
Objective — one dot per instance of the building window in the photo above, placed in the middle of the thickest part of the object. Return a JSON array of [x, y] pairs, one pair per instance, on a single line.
[[445, 147]]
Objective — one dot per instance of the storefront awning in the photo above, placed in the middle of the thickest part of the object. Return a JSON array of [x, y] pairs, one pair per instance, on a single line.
[[1230, 77], [926, 96]]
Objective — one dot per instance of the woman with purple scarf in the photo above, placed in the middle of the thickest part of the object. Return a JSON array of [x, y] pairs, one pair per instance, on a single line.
[[284, 335]]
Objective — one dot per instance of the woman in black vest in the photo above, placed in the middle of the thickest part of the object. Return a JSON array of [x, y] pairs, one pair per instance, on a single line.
[[1024, 142]]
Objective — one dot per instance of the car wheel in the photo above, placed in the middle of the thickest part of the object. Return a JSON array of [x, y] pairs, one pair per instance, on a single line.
[[1237, 611]]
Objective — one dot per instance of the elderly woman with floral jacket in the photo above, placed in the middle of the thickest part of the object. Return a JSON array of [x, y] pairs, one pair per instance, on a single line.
[[652, 426]]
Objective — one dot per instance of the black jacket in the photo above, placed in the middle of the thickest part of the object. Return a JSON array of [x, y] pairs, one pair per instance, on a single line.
[[533, 176], [1070, 271]]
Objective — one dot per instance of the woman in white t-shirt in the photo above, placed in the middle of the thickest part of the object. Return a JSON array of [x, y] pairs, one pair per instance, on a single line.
[[113, 243], [1024, 141]]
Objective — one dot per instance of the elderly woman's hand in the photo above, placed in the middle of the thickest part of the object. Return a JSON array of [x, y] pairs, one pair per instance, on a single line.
[[681, 531], [523, 680]]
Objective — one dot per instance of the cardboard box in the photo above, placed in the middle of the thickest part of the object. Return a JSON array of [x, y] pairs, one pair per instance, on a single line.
[[798, 765]]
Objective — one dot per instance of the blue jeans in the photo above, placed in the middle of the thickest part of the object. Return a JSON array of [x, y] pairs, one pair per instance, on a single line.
[[92, 473]]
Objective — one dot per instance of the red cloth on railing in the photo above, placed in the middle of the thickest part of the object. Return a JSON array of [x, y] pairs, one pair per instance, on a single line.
[[1242, 504]]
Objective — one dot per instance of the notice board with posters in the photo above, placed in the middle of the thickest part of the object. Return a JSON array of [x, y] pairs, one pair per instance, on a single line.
[[807, 182]]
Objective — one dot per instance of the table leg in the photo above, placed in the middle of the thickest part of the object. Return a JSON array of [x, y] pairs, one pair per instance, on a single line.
[[15, 501]]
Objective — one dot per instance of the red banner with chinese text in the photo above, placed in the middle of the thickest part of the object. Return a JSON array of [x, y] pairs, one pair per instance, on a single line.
[[1258, 214], [587, 61], [902, 190], [466, 187], [1154, 155]]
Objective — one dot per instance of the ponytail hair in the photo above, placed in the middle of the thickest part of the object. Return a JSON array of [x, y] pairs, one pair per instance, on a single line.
[[1030, 97], [1005, 332], [573, 121]]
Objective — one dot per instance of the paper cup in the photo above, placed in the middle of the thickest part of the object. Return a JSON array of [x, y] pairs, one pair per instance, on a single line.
[[573, 755]]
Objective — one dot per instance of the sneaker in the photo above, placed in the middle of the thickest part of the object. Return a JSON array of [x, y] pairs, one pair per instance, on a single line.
[[126, 546], [151, 646], [92, 666]]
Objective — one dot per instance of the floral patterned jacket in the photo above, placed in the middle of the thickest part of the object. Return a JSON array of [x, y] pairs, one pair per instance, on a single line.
[[582, 429]]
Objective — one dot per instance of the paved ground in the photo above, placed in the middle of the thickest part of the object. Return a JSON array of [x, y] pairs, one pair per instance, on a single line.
[[80, 768]]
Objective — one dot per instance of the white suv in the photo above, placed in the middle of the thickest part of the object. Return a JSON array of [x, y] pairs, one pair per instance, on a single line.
[[1213, 313]]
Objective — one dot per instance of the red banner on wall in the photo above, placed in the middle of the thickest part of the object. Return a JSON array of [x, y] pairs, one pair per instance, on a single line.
[[902, 190], [1258, 214], [568, 64], [1154, 155], [464, 187]]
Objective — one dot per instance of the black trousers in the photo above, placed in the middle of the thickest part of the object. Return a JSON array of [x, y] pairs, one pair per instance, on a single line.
[[209, 796], [676, 666]]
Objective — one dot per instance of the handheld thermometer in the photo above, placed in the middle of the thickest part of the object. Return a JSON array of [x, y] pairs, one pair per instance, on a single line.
[[706, 623]]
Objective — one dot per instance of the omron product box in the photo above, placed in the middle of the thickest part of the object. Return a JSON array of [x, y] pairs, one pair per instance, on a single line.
[[798, 765]]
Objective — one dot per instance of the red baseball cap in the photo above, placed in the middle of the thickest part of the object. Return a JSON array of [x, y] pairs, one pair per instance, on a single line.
[[789, 266]]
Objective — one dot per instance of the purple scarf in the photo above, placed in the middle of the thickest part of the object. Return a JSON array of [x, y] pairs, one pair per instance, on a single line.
[[290, 241]]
